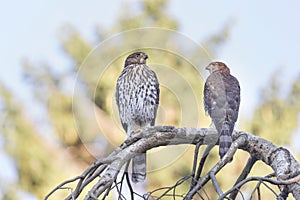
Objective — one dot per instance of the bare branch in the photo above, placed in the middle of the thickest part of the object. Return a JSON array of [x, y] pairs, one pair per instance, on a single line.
[[215, 183], [285, 166], [251, 161], [227, 158], [261, 180], [193, 181], [202, 161]]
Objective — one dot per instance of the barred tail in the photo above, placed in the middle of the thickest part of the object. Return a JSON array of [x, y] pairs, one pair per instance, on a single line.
[[139, 168], [225, 140]]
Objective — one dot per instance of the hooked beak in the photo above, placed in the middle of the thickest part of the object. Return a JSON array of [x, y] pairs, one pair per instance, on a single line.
[[143, 58], [209, 67]]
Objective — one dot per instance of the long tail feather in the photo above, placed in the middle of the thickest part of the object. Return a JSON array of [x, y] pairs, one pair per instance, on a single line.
[[225, 140], [139, 168]]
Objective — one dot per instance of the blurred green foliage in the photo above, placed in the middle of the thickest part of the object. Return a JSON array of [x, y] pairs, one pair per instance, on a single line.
[[276, 117], [29, 150], [41, 165]]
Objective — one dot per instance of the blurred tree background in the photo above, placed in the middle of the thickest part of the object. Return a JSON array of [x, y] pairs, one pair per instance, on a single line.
[[42, 163]]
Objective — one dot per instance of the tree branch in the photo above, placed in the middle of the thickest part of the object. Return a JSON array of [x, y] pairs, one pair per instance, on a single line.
[[106, 170], [251, 161]]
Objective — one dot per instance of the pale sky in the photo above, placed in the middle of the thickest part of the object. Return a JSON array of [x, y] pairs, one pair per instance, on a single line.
[[264, 36]]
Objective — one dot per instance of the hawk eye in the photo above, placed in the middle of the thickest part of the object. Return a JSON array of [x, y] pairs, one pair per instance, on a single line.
[[137, 55]]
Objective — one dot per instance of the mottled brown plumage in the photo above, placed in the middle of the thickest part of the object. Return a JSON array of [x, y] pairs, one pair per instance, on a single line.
[[137, 96], [221, 102]]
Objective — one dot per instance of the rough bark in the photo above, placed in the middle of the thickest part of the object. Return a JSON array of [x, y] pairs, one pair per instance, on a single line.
[[286, 168]]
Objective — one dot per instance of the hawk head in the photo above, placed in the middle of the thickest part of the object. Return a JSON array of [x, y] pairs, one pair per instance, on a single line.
[[217, 66], [136, 58]]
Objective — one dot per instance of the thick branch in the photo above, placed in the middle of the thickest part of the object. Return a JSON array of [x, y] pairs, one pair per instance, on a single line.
[[282, 162], [280, 159]]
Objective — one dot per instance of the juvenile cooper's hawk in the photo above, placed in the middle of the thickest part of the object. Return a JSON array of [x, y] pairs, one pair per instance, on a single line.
[[221, 102], [137, 96]]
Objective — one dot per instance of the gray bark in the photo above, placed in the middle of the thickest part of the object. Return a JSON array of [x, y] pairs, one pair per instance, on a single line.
[[286, 168]]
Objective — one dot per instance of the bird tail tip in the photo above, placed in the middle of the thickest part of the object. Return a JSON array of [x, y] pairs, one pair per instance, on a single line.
[[225, 142], [139, 168]]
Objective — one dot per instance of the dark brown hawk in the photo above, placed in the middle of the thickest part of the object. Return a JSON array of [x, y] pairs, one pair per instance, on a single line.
[[137, 96], [221, 102]]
